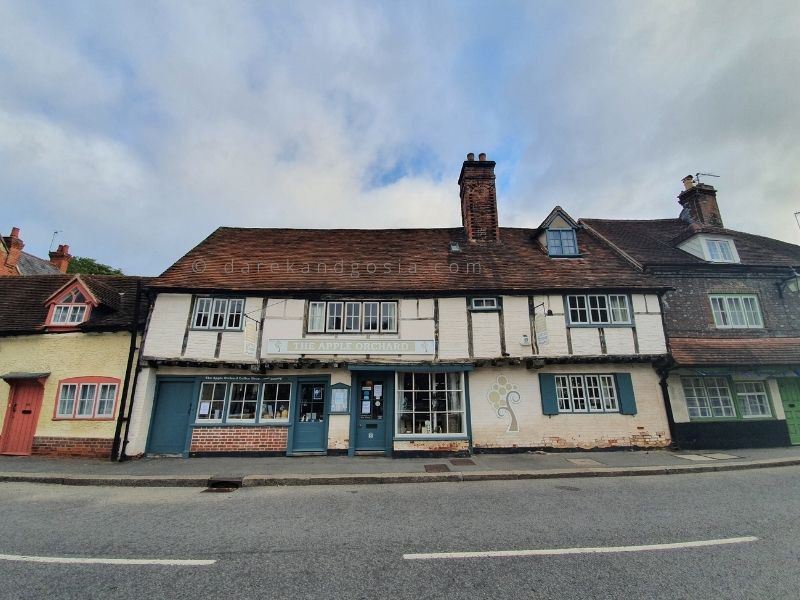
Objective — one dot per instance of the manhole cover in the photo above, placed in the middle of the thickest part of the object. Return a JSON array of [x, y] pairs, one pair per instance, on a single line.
[[460, 462], [218, 490], [437, 468]]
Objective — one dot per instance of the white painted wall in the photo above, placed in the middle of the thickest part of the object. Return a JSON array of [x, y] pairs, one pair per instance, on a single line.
[[517, 323], [585, 341], [453, 334], [167, 325], [485, 334], [141, 412]]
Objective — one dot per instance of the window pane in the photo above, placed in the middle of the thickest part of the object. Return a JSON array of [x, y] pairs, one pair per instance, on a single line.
[[578, 393], [105, 404], [695, 394], [593, 393], [219, 313], [66, 401], [352, 321], [76, 314], [388, 316], [86, 400], [735, 311], [553, 242], [235, 310], [720, 311], [371, 316], [619, 309], [244, 397], [312, 403], [751, 311], [562, 393], [276, 403], [316, 316], [202, 312], [577, 309], [422, 410], [719, 397], [598, 309], [609, 393], [212, 402], [60, 315], [569, 245], [753, 399], [335, 316]]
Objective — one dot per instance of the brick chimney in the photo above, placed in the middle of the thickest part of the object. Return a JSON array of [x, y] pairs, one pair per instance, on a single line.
[[14, 246], [479, 199], [699, 202], [60, 258]]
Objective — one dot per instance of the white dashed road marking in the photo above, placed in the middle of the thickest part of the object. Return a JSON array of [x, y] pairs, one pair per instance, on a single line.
[[596, 550], [168, 562]]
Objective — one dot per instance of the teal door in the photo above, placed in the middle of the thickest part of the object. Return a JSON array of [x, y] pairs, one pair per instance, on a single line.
[[790, 396], [171, 415], [309, 425], [372, 408]]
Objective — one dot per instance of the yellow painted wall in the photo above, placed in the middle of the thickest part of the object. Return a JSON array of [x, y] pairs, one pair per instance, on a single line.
[[65, 355]]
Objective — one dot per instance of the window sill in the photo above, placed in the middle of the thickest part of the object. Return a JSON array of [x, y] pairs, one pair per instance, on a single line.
[[217, 329], [728, 419], [565, 255], [88, 419], [242, 424], [422, 437], [601, 325]]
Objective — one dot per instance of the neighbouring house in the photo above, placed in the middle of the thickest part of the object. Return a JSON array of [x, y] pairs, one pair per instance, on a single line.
[[732, 318], [68, 348], [14, 261], [402, 341]]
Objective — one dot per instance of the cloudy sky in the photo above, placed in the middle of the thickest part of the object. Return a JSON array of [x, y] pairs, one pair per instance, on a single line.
[[136, 128]]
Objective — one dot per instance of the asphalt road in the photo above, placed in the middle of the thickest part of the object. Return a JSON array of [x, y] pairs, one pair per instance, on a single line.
[[350, 542]]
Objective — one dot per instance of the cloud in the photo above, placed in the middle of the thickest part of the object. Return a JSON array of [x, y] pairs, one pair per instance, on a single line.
[[138, 128]]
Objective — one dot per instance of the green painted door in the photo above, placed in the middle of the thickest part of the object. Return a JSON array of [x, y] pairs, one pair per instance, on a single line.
[[790, 397], [309, 425], [171, 416], [372, 412]]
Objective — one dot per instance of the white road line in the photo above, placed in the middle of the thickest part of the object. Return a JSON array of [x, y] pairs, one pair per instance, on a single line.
[[107, 561], [597, 550]]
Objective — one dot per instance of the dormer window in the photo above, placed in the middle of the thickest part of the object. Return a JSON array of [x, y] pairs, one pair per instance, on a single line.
[[71, 309], [562, 242], [720, 251]]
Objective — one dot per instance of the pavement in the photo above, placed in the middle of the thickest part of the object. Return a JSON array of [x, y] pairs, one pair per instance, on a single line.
[[342, 470]]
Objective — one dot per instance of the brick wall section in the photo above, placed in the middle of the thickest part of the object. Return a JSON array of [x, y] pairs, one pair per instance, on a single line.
[[687, 310], [72, 447], [239, 439]]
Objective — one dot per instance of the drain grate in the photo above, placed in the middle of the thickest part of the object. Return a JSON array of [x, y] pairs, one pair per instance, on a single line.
[[222, 484], [437, 468], [462, 462]]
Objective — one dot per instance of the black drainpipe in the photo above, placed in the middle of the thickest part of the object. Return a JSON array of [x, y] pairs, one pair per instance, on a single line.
[[115, 448], [663, 374]]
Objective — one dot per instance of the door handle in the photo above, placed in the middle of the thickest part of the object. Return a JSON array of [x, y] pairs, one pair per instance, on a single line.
[[27, 412]]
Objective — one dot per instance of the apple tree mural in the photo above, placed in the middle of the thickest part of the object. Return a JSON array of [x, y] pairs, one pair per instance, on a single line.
[[501, 396]]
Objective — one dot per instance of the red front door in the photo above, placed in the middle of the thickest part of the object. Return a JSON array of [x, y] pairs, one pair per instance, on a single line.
[[21, 417]]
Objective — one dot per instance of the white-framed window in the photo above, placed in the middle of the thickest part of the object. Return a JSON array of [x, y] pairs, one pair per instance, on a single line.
[[352, 316], [389, 317], [720, 251], [316, 316], [94, 399], [587, 393], [371, 320], [430, 404], [71, 309], [599, 309], [218, 313], [484, 304], [708, 397], [243, 402], [753, 399], [736, 311], [562, 242], [276, 402], [211, 406], [334, 322]]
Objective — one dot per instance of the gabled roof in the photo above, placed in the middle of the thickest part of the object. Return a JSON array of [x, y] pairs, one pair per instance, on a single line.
[[403, 260], [28, 264], [558, 212], [654, 242], [23, 307]]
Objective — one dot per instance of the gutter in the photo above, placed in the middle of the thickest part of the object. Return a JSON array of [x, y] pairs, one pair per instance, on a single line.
[[121, 418]]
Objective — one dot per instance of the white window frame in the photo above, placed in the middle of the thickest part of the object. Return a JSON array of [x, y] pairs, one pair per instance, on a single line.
[[608, 308], [447, 390], [743, 395], [392, 316], [92, 400], [720, 250], [575, 393], [235, 313], [316, 321], [484, 304], [264, 400], [202, 309], [71, 413], [99, 399], [705, 402], [329, 316], [68, 314], [209, 310], [352, 319], [723, 308], [559, 233], [228, 417], [212, 384], [377, 317]]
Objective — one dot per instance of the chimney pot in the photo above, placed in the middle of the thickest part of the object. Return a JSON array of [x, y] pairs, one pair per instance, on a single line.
[[15, 233], [471, 156], [688, 182], [482, 156], [60, 258]]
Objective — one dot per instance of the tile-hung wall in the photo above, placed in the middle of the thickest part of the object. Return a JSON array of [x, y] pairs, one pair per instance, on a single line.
[[436, 331]]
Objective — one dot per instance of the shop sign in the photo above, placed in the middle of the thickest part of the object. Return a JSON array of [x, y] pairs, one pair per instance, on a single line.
[[343, 346]]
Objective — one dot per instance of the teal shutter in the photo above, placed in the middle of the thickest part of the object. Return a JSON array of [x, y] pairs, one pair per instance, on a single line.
[[627, 401], [547, 389]]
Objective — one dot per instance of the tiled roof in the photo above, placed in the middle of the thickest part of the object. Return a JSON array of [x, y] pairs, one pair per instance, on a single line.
[[23, 310], [392, 260], [654, 242], [711, 352], [28, 264]]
